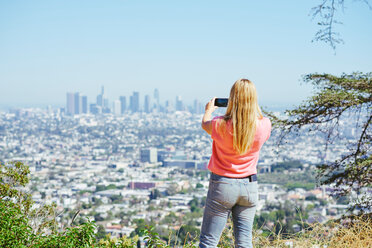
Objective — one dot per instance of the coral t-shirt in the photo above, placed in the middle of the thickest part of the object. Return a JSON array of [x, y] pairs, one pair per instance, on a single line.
[[225, 161]]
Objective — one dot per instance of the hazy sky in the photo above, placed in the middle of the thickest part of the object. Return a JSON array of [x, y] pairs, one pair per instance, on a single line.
[[192, 48]]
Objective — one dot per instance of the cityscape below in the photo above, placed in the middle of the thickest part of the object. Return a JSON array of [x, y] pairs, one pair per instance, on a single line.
[[123, 168]]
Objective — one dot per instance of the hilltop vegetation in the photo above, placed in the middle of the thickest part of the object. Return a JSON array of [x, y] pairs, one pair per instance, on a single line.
[[338, 97], [22, 224]]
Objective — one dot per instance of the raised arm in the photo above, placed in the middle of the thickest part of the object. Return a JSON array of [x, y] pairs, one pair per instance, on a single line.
[[207, 118]]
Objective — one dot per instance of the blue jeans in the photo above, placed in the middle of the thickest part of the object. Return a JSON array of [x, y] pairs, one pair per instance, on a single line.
[[225, 196]]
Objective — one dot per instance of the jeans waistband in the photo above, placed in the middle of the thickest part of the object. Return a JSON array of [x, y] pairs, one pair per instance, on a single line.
[[251, 178]]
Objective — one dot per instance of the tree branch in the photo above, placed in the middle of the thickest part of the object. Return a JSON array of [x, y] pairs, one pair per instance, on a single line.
[[326, 13], [366, 125]]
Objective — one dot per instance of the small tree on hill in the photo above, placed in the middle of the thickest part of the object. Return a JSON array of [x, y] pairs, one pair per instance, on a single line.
[[349, 98]]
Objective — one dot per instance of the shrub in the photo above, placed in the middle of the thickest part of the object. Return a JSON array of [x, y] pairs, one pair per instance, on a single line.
[[18, 219]]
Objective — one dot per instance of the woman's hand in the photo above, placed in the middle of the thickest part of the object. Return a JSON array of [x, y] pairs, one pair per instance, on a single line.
[[207, 118], [209, 107]]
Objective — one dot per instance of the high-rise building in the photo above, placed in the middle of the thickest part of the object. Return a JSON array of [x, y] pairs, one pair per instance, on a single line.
[[157, 99], [95, 109], [117, 107], [198, 107], [99, 101], [70, 105], [84, 104], [100, 98], [179, 104], [123, 104], [106, 103], [168, 107], [77, 103], [134, 102], [156, 94], [149, 155], [147, 104]]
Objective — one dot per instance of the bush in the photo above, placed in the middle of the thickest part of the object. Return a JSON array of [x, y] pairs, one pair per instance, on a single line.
[[14, 228], [17, 214]]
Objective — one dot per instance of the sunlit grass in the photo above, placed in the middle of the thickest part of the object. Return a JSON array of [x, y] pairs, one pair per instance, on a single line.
[[345, 233]]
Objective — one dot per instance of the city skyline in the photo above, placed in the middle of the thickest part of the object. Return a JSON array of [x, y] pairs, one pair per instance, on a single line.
[[77, 103], [193, 49]]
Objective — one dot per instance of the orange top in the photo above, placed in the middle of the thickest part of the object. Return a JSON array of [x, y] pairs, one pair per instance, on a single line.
[[225, 161]]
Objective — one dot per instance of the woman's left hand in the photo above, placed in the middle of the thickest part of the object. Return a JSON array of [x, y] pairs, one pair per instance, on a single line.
[[207, 118], [209, 107]]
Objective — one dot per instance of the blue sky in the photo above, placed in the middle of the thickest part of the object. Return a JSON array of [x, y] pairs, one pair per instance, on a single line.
[[195, 49]]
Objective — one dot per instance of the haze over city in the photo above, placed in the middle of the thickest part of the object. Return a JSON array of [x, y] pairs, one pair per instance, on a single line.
[[193, 49]]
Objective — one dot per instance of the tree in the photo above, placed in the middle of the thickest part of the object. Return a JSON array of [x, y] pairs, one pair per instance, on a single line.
[[347, 97], [325, 13], [18, 216]]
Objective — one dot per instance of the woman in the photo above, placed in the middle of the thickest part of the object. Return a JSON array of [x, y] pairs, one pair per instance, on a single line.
[[237, 139]]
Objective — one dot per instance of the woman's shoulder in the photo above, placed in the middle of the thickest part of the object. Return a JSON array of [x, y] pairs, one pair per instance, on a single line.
[[264, 121], [218, 119], [220, 125]]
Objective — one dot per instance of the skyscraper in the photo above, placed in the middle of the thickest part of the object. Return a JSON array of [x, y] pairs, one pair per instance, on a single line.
[[168, 107], [198, 107], [94, 109], [123, 103], [179, 104], [70, 105], [147, 104], [84, 100], [134, 102], [157, 98], [106, 103], [117, 107], [100, 97], [77, 103], [99, 101]]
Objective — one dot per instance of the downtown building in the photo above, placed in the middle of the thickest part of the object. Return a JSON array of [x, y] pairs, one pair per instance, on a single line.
[[76, 103]]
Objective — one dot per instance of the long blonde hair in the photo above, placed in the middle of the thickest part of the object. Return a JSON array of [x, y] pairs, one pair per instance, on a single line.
[[243, 111]]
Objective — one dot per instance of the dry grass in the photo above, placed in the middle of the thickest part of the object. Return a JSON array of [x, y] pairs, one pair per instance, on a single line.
[[346, 233], [356, 233]]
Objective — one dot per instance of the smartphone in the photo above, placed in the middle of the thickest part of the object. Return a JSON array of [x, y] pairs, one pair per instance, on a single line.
[[221, 102]]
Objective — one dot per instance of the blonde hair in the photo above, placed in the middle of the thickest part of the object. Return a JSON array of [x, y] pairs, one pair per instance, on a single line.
[[243, 111]]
